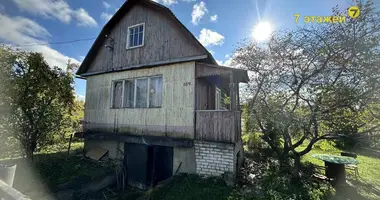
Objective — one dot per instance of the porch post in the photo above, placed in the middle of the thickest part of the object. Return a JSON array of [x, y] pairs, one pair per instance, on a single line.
[[237, 95], [232, 93]]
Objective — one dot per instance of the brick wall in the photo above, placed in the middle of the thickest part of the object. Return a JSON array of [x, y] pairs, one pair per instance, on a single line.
[[214, 158]]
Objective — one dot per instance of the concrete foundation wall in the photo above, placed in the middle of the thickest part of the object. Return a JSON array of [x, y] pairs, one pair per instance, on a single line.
[[205, 158], [186, 156], [238, 156], [214, 158]]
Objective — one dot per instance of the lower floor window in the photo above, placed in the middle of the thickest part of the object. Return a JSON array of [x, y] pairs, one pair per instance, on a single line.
[[143, 92]]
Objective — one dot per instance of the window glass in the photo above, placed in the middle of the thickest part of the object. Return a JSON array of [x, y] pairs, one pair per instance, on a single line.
[[129, 93], [135, 40], [136, 35], [140, 38], [141, 93], [155, 92], [130, 40], [117, 94]]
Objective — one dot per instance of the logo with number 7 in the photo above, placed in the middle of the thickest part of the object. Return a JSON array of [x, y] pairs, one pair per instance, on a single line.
[[353, 12]]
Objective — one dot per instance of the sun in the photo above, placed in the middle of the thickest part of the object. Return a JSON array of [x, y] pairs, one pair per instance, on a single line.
[[262, 31]]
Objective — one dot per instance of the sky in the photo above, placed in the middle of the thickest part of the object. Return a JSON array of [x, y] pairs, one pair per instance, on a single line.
[[220, 25]]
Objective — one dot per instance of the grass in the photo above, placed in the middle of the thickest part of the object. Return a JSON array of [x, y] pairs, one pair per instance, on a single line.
[[51, 170], [189, 187], [367, 185]]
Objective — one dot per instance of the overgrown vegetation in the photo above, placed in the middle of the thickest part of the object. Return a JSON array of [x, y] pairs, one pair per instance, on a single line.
[[314, 83], [37, 101]]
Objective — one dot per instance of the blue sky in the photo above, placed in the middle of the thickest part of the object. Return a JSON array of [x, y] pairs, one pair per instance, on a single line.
[[25, 22]]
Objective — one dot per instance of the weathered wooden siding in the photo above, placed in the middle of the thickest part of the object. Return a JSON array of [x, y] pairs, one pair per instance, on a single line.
[[175, 117], [205, 95], [216, 125], [163, 40]]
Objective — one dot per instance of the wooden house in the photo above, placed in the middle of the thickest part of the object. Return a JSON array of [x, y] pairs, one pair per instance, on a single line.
[[156, 98]]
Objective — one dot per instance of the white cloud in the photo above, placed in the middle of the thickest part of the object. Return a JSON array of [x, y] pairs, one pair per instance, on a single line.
[[209, 38], [166, 2], [170, 2], [81, 58], [106, 16], [199, 10], [214, 18], [84, 19], [106, 5], [80, 97], [20, 30], [57, 9], [229, 61]]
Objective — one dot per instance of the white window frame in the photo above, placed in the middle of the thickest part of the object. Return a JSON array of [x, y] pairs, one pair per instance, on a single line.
[[218, 99], [155, 76], [134, 92], [128, 35], [112, 91]]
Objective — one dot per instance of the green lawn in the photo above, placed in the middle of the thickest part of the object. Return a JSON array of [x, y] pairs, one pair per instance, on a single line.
[[368, 183], [189, 187]]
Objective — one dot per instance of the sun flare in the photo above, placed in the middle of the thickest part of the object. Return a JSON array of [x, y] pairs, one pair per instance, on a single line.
[[262, 31]]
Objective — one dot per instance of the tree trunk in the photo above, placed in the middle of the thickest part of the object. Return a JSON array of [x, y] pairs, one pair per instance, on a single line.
[[297, 165], [284, 161], [29, 153]]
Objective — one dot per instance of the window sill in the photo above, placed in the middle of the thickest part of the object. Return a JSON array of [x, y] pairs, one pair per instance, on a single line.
[[129, 48], [137, 108]]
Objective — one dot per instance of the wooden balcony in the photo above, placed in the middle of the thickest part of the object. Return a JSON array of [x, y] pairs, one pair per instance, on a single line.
[[218, 125]]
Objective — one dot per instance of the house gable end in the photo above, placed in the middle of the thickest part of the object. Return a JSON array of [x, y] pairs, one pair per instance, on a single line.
[[165, 40]]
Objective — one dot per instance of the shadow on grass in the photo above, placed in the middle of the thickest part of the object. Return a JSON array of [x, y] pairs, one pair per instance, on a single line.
[[357, 185], [348, 192]]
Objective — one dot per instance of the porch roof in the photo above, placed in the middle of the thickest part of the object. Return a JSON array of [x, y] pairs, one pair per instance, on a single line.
[[204, 69]]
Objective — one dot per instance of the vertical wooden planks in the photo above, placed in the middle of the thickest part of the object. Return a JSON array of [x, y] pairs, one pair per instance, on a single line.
[[164, 39], [215, 125]]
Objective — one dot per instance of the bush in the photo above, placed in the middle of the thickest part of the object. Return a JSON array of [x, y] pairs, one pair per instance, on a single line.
[[253, 141], [271, 181]]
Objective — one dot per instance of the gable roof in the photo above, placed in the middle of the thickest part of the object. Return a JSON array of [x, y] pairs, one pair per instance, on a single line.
[[123, 10]]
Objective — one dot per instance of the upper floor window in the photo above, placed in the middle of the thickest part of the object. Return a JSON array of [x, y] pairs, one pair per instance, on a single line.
[[142, 92], [135, 36]]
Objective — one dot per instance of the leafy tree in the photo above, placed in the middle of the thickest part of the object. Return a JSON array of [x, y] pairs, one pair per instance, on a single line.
[[34, 97], [303, 80]]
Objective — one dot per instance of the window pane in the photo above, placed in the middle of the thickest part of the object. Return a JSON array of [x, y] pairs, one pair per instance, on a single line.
[[130, 44], [129, 91], [131, 31], [140, 38], [141, 28], [117, 93], [135, 39], [141, 93], [155, 92]]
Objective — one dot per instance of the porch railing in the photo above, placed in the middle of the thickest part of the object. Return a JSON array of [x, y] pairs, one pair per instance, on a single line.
[[215, 125]]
